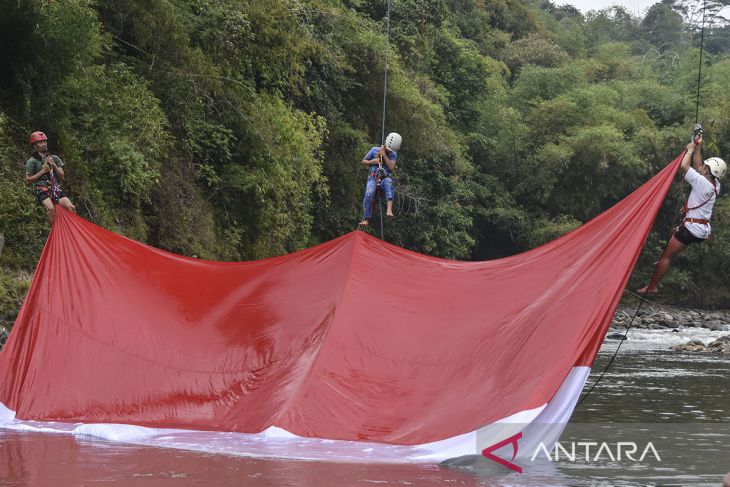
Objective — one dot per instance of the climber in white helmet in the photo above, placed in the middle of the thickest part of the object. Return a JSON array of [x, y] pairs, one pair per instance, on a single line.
[[695, 227], [381, 162]]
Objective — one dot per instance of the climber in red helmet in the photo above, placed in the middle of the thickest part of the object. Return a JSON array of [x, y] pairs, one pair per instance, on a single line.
[[45, 172]]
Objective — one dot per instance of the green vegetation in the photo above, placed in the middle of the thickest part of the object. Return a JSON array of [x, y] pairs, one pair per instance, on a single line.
[[233, 129]]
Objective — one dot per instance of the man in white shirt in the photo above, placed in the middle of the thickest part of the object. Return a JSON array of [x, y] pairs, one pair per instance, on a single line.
[[695, 228]]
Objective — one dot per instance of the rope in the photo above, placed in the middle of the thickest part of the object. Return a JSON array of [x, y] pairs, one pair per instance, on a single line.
[[385, 76], [615, 354], [380, 210], [699, 71], [642, 299], [654, 303], [385, 99]]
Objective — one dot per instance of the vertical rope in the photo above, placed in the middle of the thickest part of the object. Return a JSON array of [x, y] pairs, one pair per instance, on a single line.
[[380, 209], [699, 71], [385, 77], [636, 313], [385, 99], [613, 357]]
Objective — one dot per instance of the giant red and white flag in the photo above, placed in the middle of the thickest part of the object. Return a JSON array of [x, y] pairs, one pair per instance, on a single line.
[[354, 339]]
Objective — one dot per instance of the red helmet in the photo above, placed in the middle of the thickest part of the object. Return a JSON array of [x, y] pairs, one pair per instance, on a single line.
[[37, 137]]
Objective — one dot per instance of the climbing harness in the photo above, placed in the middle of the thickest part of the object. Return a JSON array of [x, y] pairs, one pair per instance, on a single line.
[[686, 208], [55, 189], [53, 192], [379, 174], [701, 221]]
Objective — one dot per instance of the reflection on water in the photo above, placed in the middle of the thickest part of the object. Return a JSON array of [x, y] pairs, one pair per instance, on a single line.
[[676, 401], [60, 460]]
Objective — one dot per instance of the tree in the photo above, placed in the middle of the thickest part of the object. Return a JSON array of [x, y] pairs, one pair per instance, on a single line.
[[663, 27]]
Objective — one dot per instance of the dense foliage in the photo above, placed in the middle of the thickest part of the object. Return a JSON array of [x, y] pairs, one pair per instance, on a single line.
[[233, 129]]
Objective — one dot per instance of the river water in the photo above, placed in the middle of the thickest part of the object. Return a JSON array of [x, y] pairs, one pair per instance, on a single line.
[[675, 402]]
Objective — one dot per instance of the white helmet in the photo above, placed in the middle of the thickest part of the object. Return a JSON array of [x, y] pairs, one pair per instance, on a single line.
[[717, 166], [393, 141]]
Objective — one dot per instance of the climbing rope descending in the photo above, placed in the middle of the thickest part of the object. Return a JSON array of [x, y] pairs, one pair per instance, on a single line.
[[385, 75], [380, 212], [654, 303], [385, 99], [615, 354], [699, 71], [695, 133], [641, 299]]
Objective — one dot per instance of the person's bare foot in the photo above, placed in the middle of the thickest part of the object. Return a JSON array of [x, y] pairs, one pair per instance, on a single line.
[[648, 290], [389, 214], [364, 223]]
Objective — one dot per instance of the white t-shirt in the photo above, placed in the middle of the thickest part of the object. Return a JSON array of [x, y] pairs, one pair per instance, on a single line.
[[702, 190]]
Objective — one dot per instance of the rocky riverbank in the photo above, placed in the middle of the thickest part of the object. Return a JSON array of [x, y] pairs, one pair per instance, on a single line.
[[661, 318], [669, 318]]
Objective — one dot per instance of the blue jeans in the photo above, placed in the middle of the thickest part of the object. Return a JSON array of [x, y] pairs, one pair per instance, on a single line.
[[388, 188]]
